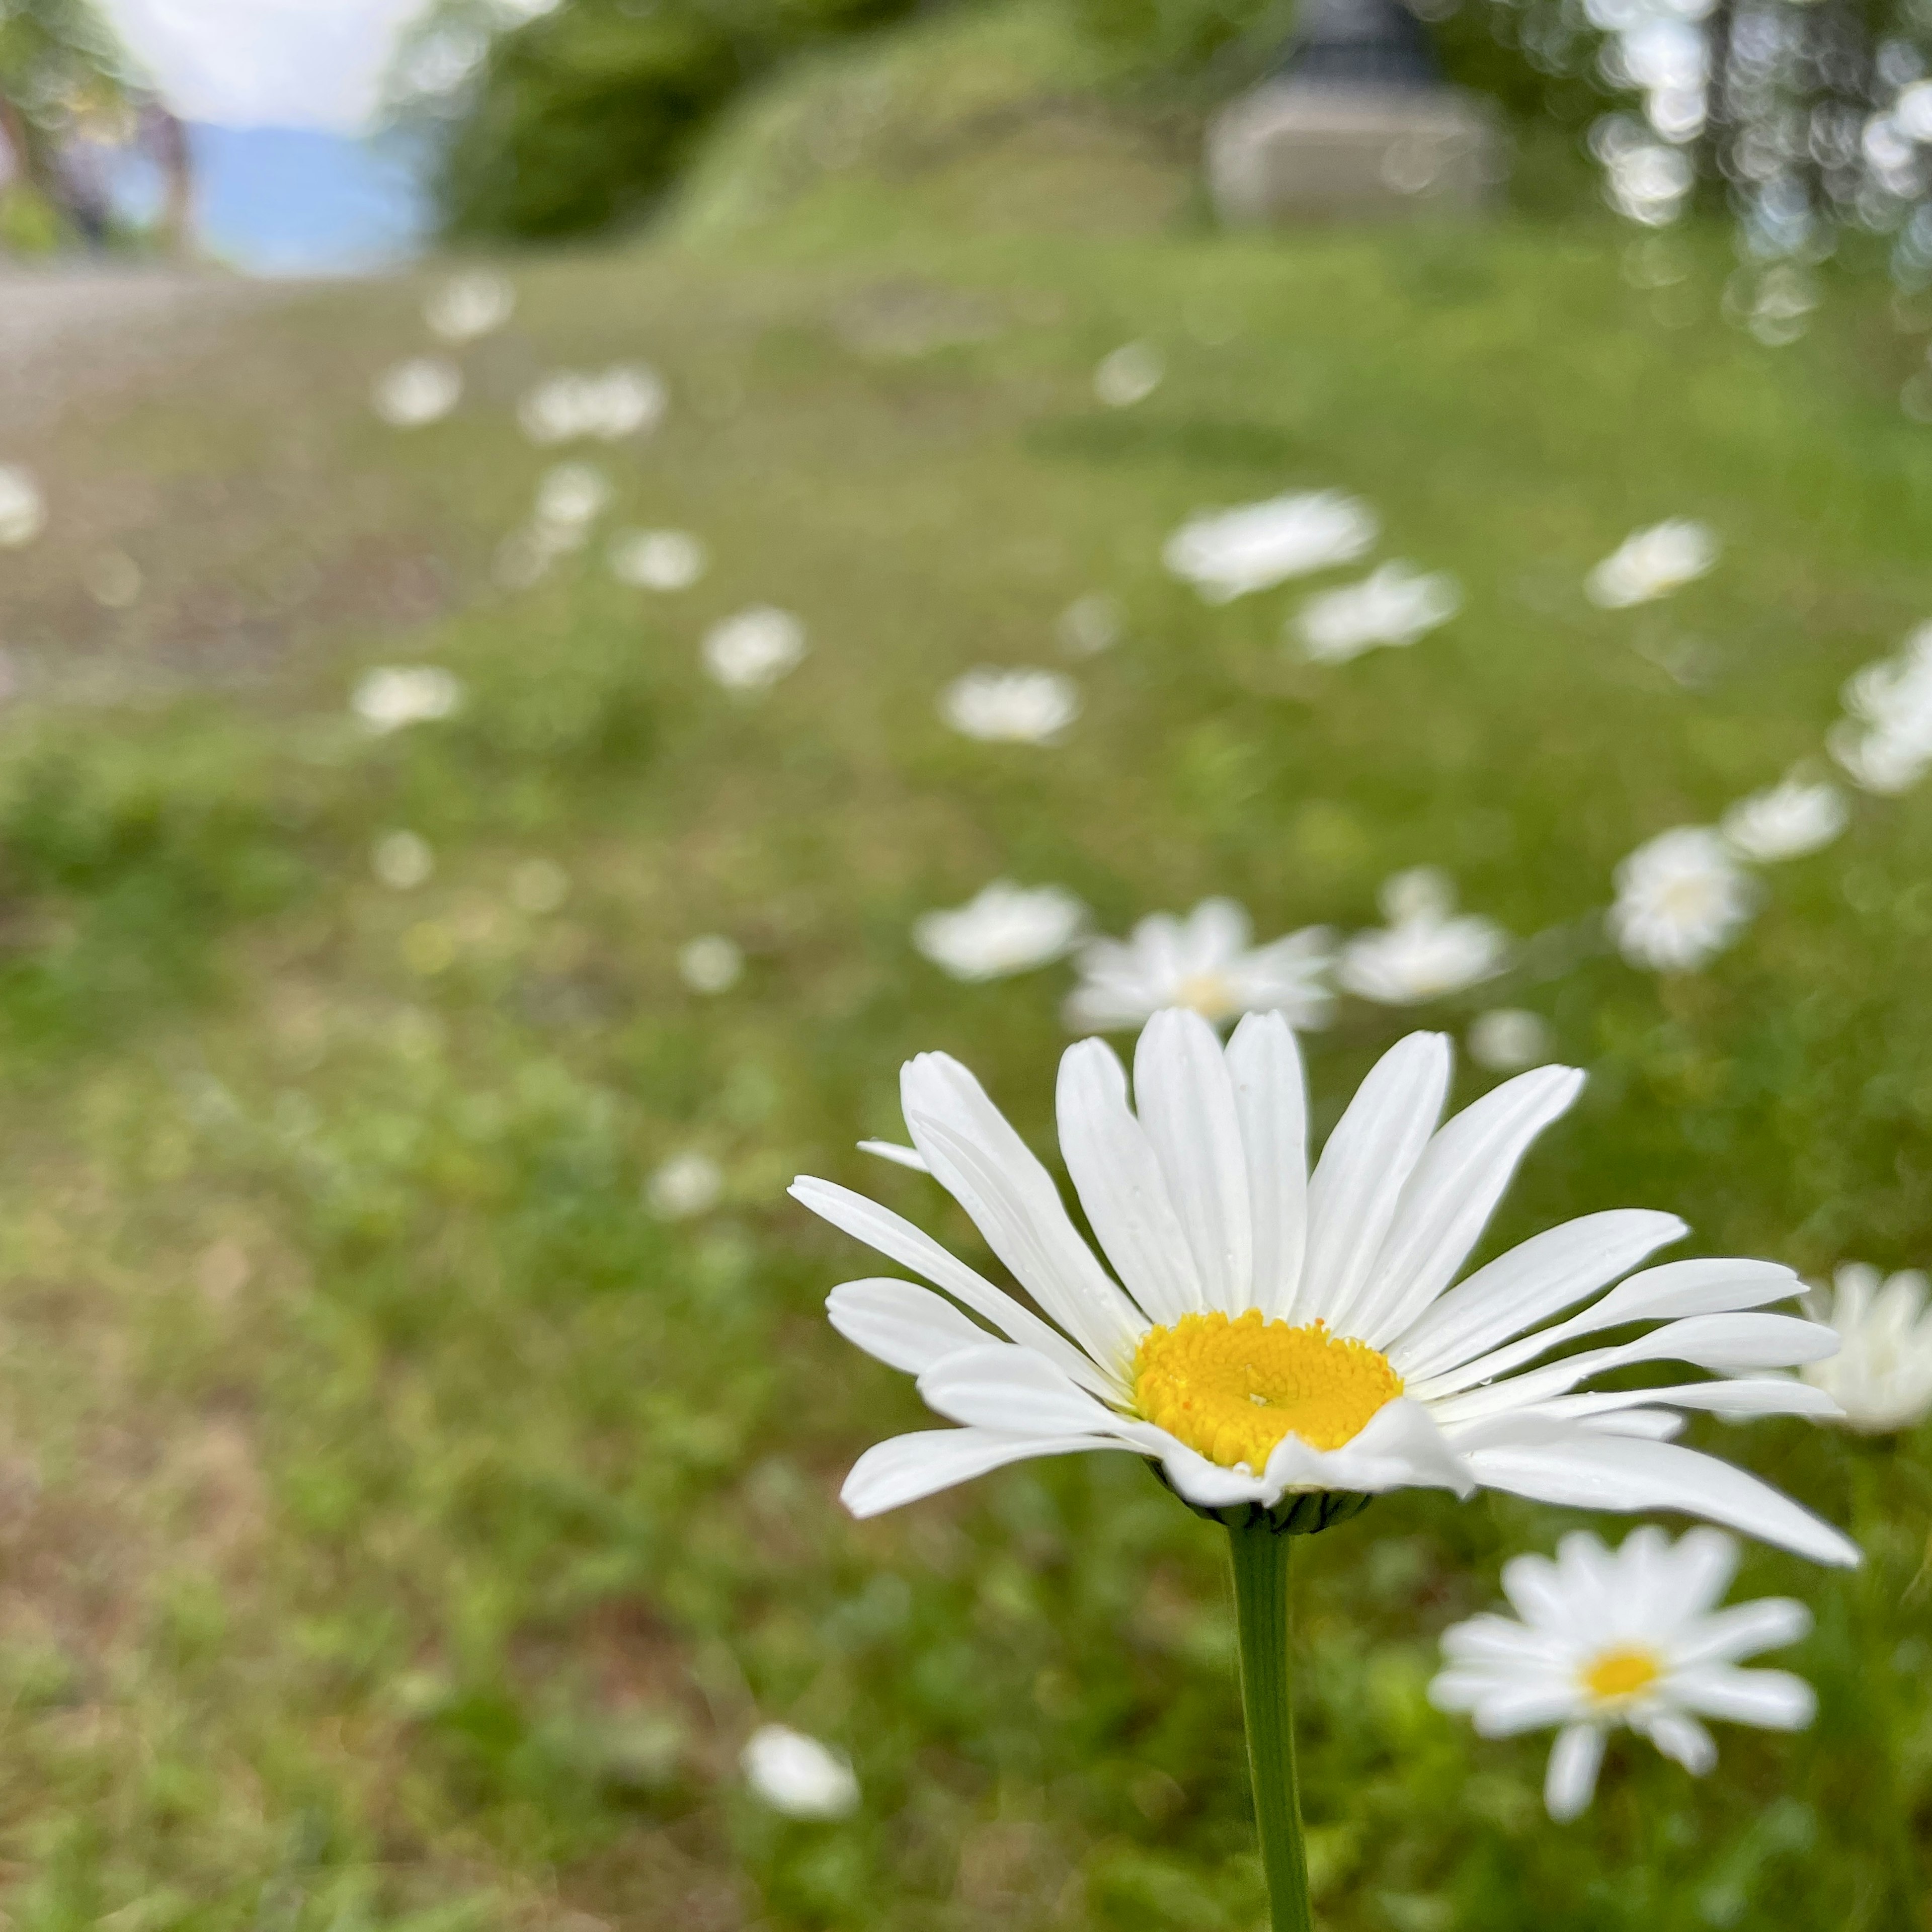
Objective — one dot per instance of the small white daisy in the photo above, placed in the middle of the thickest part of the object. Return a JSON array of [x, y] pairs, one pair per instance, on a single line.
[[1207, 962], [1426, 950], [1396, 604], [469, 305], [570, 405], [752, 650], [712, 963], [1227, 553], [1506, 1040], [658, 559], [1130, 375], [1632, 1637], [1652, 563], [1003, 929], [396, 695], [571, 496], [1681, 899], [23, 510], [1266, 1333], [1091, 625], [1886, 759], [1881, 1376], [686, 1185], [797, 1776], [424, 390], [1885, 743], [1013, 707], [1786, 821]]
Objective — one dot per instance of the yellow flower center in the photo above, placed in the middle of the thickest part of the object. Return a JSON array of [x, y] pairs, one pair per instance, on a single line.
[[1209, 994], [1232, 1389], [1618, 1674]]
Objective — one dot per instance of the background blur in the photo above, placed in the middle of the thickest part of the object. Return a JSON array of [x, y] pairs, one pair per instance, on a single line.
[[420, 1435]]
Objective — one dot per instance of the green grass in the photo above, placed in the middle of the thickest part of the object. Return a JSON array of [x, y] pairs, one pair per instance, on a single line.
[[402, 1528]]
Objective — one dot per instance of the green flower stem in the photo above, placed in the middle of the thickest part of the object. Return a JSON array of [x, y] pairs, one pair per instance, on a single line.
[[1260, 1606]]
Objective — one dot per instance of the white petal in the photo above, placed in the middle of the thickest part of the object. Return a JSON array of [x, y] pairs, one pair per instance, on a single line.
[[896, 1238], [905, 1467], [1501, 1644], [1271, 1098], [1570, 1781], [1205, 1483], [905, 1327], [891, 1150], [1533, 1706], [1655, 1425], [1534, 1585], [1776, 1700], [1611, 1472], [1400, 1448], [1357, 1183], [1683, 1738], [1760, 1395], [1714, 1287], [1455, 1188], [983, 1164], [1001, 1386], [1541, 1277], [1121, 1186], [1742, 1630], [1185, 1097]]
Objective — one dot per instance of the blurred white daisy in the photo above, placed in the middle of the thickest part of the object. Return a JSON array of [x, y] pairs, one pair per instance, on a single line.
[[469, 305], [1881, 1376], [1207, 962], [1004, 929], [712, 963], [570, 405], [1266, 1333], [571, 496], [1014, 707], [1652, 563], [402, 860], [1632, 1637], [753, 650], [1130, 375], [394, 695], [1681, 900], [1885, 743], [687, 1185], [23, 510], [1785, 821], [1396, 604], [1427, 949], [1226, 553], [797, 1776], [1506, 1040], [423, 390], [658, 559], [1091, 625]]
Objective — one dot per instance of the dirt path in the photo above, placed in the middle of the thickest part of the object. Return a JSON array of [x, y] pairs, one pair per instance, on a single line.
[[71, 331]]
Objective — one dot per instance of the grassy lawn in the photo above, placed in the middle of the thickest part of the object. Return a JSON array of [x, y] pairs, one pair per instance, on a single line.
[[402, 1526]]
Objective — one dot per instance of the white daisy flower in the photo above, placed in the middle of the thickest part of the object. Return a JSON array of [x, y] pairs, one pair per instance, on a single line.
[[1003, 929], [1091, 625], [797, 1776], [1652, 563], [395, 695], [1888, 748], [712, 963], [423, 390], [1426, 949], [658, 559], [1506, 1040], [1227, 553], [1785, 821], [1681, 899], [570, 405], [752, 650], [1395, 604], [1881, 1376], [23, 510], [1130, 375], [1273, 1336], [686, 1185], [571, 496], [1632, 1637], [469, 305], [1014, 707], [1207, 962], [1887, 759]]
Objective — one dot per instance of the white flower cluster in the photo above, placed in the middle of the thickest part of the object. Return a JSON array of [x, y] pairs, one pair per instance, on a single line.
[[1885, 740], [571, 405]]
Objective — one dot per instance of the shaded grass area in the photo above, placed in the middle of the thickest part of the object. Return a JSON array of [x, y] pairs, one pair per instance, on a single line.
[[402, 1527]]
